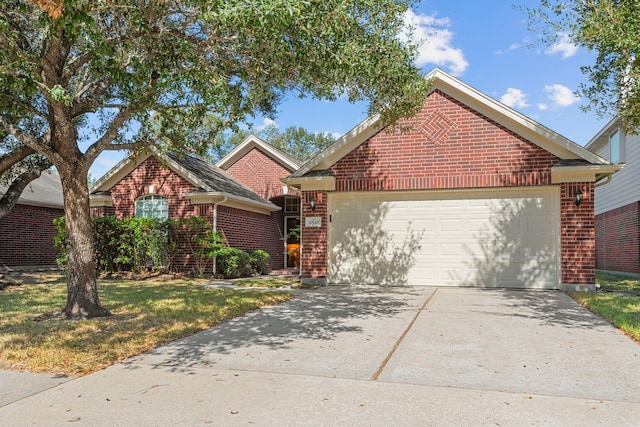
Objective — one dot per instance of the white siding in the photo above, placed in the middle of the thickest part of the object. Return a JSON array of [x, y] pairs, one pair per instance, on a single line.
[[624, 187]]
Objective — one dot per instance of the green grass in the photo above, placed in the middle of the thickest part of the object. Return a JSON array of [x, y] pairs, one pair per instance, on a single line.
[[145, 314], [619, 302]]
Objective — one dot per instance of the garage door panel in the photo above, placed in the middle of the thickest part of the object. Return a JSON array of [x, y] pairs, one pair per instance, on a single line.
[[477, 238]]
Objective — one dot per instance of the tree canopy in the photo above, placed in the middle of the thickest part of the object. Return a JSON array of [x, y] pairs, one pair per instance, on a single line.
[[78, 77], [610, 28], [294, 140]]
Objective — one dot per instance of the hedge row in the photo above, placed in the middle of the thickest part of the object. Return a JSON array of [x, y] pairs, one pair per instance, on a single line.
[[140, 244]]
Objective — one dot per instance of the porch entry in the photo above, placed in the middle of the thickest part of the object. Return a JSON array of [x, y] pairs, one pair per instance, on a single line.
[[292, 241]]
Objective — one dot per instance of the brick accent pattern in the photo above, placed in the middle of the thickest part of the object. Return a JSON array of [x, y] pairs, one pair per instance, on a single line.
[[27, 236], [464, 150], [477, 153], [577, 234], [260, 173], [618, 239], [313, 248]]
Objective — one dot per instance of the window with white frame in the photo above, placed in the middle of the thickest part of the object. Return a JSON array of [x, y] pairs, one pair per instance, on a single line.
[[615, 147], [152, 206]]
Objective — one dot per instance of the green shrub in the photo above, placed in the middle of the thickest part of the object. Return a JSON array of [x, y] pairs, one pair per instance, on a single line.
[[233, 263], [144, 243], [260, 261]]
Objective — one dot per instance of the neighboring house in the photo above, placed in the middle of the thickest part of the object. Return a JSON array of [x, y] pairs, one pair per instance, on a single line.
[[27, 234], [475, 194], [260, 166], [174, 187], [617, 206]]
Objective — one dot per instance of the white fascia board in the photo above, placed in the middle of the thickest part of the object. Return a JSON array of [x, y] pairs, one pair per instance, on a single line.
[[320, 183], [343, 146], [586, 173], [96, 200], [247, 145], [118, 172]]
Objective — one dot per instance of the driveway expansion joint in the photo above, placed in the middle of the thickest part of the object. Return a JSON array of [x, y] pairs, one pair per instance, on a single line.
[[404, 334]]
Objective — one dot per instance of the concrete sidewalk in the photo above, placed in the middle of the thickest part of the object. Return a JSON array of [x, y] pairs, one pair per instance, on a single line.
[[369, 356]]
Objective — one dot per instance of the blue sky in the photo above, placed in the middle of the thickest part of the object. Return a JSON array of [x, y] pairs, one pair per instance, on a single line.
[[486, 45]]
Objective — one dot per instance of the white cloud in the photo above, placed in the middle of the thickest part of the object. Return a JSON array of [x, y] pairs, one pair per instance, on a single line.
[[563, 46], [514, 46], [514, 98], [561, 95], [434, 42], [266, 122], [543, 107]]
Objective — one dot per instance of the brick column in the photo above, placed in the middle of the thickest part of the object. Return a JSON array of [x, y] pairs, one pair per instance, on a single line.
[[577, 237], [313, 247]]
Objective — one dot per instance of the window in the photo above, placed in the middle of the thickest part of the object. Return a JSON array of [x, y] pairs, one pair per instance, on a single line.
[[152, 206], [291, 205], [615, 147]]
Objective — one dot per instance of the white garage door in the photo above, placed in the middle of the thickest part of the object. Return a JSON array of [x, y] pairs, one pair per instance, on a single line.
[[490, 238]]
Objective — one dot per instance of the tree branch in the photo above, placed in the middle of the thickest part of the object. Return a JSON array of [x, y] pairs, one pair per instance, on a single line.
[[36, 144], [13, 193], [13, 157], [111, 133]]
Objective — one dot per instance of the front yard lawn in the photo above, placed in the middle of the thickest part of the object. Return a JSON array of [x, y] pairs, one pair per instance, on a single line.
[[617, 301], [146, 313]]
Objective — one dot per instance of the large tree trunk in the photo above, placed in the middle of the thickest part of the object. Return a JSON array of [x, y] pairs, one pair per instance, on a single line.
[[82, 290]]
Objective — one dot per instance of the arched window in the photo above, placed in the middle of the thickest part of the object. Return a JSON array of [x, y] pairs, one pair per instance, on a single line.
[[152, 206]]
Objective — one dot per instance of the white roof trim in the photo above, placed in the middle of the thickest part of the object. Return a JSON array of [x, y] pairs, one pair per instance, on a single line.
[[124, 167], [343, 146], [252, 142], [518, 123], [309, 183], [602, 132], [524, 126], [583, 173]]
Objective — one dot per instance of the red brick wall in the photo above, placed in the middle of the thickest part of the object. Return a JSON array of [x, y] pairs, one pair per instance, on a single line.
[[27, 235], [260, 173], [313, 248], [618, 239], [577, 234], [166, 183], [250, 230], [476, 152], [452, 146]]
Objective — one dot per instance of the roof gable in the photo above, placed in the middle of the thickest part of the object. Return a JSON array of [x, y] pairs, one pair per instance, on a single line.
[[253, 142], [211, 182], [503, 115]]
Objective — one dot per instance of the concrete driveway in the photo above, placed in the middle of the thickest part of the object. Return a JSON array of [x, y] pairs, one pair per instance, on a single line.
[[369, 356]]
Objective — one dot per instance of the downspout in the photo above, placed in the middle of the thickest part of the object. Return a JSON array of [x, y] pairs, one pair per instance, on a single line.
[[601, 183], [215, 228]]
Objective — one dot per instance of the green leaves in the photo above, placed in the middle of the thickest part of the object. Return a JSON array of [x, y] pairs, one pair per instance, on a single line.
[[611, 29]]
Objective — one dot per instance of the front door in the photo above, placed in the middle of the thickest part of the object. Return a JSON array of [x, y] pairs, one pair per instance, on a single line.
[[292, 239]]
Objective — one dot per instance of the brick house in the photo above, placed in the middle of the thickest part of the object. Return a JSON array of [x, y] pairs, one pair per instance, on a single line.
[[617, 207], [475, 194], [260, 166], [174, 187], [27, 233]]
